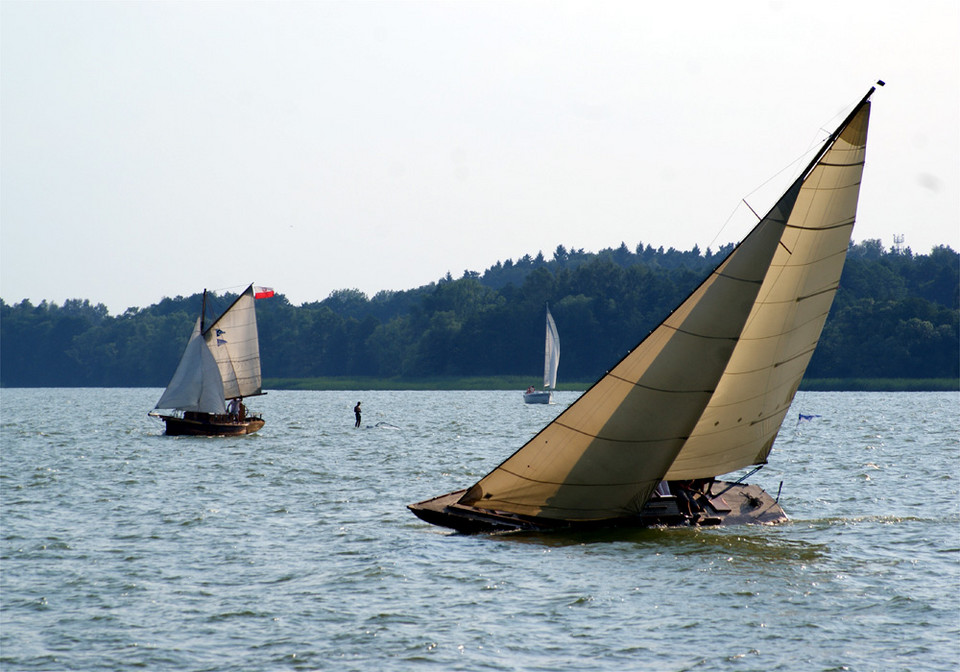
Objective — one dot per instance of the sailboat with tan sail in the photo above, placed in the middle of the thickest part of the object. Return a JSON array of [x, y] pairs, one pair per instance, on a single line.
[[703, 395]]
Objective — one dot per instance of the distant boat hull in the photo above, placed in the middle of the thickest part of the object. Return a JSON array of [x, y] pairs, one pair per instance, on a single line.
[[545, 397], [205, 424], [734, 504]]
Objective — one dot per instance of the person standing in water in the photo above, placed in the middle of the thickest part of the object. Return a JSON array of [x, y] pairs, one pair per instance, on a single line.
[[356, 412]]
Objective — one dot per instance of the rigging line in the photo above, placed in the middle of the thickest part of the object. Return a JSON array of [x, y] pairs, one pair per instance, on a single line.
[[232, 287], [814, 147], [741, 479], [789, 166], [716, 237]]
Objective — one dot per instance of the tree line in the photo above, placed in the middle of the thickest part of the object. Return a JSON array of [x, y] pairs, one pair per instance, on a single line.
[[896, 315]]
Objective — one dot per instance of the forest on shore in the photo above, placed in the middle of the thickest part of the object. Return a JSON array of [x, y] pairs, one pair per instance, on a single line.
[[896, 316]]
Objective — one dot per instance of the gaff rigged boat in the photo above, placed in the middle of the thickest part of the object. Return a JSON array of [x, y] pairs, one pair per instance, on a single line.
[[704, 394], [221, 361], [551, 361]]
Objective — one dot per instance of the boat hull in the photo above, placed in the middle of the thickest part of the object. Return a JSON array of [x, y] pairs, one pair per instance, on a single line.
[[210, 425], [734, 504], [538, 397]]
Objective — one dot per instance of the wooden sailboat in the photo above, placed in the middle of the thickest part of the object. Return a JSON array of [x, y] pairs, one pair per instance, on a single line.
[[551, 361], [703, 395], [221, 362]]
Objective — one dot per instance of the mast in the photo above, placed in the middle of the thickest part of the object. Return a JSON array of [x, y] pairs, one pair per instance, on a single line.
[[828, 143]]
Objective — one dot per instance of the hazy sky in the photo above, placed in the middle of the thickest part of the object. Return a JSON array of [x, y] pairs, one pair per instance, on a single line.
[[153, 149]]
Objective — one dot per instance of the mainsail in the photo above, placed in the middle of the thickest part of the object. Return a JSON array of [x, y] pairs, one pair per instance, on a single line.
[[551, 354], [744, 415], [706, 391], [233, 340]]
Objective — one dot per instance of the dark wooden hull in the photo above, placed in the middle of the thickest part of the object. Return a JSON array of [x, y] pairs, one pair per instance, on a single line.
[[197, 424], [734, 504]]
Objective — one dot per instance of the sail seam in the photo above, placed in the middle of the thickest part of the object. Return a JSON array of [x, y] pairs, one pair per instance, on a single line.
[[604, 438], [781, 412], [695, 335], [844, 165], [792, 263], [822, 291], [565, 484], [655, 389], [799, 327], [796, 356], [739, 279], [829, 227]]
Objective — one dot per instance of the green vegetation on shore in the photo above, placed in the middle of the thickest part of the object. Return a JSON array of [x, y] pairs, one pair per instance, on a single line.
[[895, 319]]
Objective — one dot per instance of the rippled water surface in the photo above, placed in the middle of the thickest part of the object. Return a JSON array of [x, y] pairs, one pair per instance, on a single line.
[[293, 548]]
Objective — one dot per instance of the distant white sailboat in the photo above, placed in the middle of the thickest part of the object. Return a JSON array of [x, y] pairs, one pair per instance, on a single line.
[[221, 361], [551, 360], [703, 395]]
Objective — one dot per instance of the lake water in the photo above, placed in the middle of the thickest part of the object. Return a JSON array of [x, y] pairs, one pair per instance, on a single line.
[[292, 549]]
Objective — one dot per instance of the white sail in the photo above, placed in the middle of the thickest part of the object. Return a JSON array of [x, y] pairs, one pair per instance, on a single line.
[[233, 340], [196, 383], [603, 456], [743, 418], [551, 356]]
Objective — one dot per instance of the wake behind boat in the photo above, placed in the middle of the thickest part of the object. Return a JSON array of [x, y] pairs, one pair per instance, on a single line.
[[704, 394], [221, 362], [551, 361]]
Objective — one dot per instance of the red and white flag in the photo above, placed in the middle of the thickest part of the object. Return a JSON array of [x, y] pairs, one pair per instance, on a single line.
[[262, 292]]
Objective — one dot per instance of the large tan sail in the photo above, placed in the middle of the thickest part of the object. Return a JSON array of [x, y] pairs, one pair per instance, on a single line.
[[744, 415], [603, 456]]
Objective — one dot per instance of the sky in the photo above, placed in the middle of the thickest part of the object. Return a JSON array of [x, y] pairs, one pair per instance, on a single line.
[[154, 149]]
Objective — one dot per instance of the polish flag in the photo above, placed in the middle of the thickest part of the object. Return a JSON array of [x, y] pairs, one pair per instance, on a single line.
[[262, 292]]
